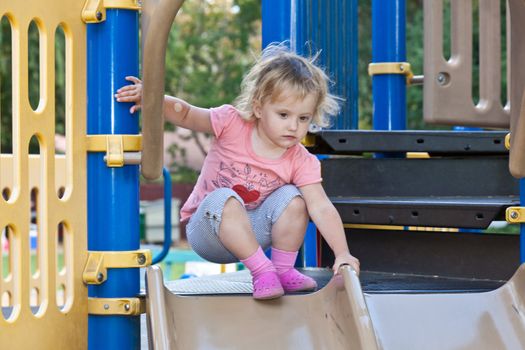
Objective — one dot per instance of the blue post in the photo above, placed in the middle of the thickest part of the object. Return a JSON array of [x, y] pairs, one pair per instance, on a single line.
[[276, 21], [113, 193], [331, 27], [388, 45]]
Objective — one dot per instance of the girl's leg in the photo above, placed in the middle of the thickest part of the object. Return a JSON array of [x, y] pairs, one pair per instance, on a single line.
[[288, 231], [237, 236], [220, 231], [235, 230], [287, 237], [203, 228]]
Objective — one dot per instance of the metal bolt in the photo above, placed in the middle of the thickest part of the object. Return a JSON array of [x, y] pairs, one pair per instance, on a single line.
[[100, 277], [442, 78], [514, 215], [99, 16], [401, 67], [141, 259], [127, 307], [106, 307]]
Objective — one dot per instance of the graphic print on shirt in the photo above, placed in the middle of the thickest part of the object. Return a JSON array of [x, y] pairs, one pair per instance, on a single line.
[[246, 182]]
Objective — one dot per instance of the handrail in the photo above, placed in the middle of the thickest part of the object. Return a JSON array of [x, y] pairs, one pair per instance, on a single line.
[[157, 18], [517, 89], [167, 218]]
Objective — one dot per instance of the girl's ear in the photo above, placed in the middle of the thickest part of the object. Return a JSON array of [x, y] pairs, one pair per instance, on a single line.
[[257, 109]]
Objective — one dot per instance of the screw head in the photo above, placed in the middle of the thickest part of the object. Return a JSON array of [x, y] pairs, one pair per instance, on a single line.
[[99, 16], [401, 67], [442, 78], [127, 307], [100, 277], [514, 215], [106, 307], [141, 259]]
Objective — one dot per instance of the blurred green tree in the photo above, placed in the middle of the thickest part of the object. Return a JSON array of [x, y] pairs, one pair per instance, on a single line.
[[5, 86]]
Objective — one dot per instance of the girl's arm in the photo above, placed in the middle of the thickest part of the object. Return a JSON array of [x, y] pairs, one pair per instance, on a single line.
[[181, 113], [329, 223], [177, 111]]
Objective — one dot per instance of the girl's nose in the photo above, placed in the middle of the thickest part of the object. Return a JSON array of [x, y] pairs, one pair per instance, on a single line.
[[293, 125]]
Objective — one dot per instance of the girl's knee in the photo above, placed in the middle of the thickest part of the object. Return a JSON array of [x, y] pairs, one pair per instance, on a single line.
[[232, 206], [297, 206], [221, 200]]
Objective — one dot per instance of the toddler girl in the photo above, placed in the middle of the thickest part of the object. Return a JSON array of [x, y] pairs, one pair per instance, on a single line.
[[259, 186]]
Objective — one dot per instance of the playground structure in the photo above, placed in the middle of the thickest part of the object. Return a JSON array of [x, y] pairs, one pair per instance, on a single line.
[[102, 250]]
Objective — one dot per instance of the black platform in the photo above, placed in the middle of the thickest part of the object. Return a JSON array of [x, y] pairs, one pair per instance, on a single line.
[[436, 142], [387, 282], [239, 283]]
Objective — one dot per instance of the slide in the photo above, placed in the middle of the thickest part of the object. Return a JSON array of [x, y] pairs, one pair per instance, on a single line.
[[217, 312]]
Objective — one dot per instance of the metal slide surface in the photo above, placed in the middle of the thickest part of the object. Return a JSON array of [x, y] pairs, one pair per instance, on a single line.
[[339, 316]]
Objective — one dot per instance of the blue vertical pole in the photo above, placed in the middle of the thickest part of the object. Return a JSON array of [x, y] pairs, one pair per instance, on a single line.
[[331, 28], [276, 21], [113, 193], [388, 45]]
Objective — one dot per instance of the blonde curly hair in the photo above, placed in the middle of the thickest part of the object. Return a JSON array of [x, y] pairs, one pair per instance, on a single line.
[[278, 70]]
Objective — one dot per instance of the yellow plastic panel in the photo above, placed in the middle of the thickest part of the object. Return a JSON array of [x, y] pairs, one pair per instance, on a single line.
[[51, 327]]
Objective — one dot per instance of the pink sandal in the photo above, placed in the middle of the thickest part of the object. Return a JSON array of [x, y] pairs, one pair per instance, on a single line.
[[294, 281], [267, 286]]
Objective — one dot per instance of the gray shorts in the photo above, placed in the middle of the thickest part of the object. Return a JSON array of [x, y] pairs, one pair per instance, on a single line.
[[203, 228]]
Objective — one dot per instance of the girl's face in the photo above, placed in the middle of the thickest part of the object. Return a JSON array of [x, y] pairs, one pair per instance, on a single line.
[[284, 121]]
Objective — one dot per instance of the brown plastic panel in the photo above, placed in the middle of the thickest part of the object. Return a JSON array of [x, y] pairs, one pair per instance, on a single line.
[[157, 18], [517, 83], [448, 83]]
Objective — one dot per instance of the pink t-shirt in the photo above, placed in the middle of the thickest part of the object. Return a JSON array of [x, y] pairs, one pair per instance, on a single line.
[[232, 163]]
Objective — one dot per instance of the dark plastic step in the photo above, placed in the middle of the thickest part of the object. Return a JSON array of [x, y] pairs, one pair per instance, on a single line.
[[465, 212], [436, 142], [446, 192]]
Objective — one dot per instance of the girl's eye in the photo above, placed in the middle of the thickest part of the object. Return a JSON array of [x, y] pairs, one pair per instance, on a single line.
[[304, 119], [283, 115]]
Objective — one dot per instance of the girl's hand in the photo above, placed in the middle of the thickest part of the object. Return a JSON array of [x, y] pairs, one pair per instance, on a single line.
[[346, 258], [131, 93]]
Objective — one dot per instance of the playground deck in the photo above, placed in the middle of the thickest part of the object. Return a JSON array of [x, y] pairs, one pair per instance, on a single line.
[[239, 283]]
